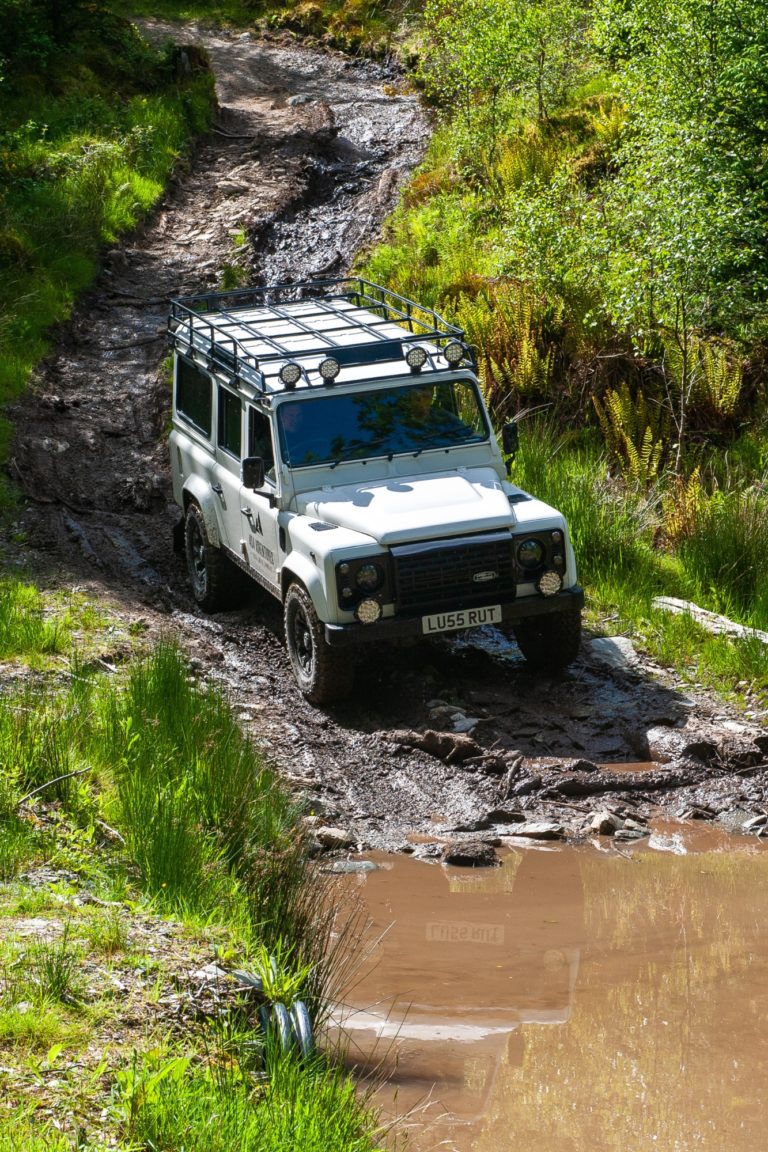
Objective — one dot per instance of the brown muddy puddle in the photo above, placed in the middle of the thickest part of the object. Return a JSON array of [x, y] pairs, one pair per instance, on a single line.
[[573, 998]]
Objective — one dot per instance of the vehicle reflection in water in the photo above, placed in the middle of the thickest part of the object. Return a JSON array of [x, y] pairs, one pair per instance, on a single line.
[[469, 957], [572, 999]]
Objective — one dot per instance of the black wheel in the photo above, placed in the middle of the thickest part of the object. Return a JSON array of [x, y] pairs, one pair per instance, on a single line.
[[550, 643], [209, 570], [323, 674]]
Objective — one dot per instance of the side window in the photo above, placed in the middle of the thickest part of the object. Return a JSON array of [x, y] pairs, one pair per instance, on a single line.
[[229, 422], [260, 438], [193, 395]]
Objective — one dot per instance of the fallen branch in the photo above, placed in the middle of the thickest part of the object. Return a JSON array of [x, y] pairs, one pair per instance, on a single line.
[[50, 783], [711, 621]]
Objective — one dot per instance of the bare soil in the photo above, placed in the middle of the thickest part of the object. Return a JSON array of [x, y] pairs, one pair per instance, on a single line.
[[308, 155]]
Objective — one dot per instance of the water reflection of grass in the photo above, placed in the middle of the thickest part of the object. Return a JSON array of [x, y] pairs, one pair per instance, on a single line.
[[663, 1048]]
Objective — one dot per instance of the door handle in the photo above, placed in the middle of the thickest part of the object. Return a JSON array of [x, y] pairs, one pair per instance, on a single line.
[[247, 513], [217, 488]]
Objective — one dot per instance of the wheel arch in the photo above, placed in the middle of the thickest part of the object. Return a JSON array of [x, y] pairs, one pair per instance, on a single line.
[[298, 569], [198, 491]]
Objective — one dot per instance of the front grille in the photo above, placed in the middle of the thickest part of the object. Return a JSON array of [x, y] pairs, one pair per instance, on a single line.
[[430, 577]]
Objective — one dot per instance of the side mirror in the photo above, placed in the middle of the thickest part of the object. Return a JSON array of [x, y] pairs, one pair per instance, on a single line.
[[253, 472], [510, 439]]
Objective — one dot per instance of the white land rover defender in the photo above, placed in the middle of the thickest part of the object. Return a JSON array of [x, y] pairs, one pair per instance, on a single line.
[[331, 441]]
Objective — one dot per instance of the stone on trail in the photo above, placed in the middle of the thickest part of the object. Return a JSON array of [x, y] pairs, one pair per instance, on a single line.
[[470, 854], [616, 651], [540, 830], [605, 823], [331, 837]]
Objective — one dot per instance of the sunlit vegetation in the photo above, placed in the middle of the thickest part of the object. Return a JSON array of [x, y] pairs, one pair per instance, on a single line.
[[93, 123], [591, 210], [142, 791], [361, 27]]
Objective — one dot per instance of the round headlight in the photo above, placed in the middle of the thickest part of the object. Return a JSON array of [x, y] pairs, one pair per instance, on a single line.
[[368, 611], [454, 352], [416, 357], [290, 374], [368, 577], [329, 369], [549, 583], [530, 554]]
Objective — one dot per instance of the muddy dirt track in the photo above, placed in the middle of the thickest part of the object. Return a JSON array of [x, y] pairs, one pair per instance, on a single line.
[[448, 741]]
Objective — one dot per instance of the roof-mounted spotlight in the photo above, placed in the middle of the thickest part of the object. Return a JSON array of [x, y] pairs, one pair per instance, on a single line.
[[415, 357], [290, 374], [329, 369], [454, 352]]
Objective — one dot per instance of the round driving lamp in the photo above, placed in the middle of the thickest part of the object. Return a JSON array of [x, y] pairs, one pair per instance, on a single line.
[[454, 352], [416, 358], [329, 369], [368, 612], [530, 554], [290, 374], [368, 577], [549, 583]]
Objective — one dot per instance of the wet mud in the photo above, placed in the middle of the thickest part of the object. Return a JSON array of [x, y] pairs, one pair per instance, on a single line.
[[573, 999], [445, 742]]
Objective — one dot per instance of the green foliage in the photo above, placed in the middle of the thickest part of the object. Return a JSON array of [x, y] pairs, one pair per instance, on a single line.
[[93, 122], [634, 434], [24, 628], [480, 53], [165, 1101]]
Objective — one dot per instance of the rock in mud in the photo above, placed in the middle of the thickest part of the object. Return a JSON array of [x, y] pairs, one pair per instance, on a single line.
[[605, 823], [470, 854], [503, 816], [616, 651], [331, 838], [540, 830]]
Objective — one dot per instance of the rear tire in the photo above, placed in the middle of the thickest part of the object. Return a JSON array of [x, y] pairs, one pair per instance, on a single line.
[[550, 643], [323, 674], [210, 573]]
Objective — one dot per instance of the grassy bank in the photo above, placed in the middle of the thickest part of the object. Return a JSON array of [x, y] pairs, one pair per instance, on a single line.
[[141, 838], [93, 124]]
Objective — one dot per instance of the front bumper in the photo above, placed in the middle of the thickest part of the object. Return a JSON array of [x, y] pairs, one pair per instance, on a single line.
[[408, 627]]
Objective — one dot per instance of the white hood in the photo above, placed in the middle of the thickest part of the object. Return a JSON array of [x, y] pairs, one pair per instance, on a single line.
[[395, 511]]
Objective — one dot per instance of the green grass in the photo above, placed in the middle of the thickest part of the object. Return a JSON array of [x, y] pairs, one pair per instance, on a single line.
[[89, 139], [616, 532], [165, 1101]]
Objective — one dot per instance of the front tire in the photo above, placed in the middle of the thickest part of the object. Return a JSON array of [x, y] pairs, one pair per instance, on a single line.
[[550, 643], [323, 674], [208, 568]]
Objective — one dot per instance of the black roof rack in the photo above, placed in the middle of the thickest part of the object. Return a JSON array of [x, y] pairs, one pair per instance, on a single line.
[[325, 324]]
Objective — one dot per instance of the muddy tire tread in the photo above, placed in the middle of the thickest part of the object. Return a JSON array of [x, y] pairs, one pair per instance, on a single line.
[[212, 590], [331, 673]]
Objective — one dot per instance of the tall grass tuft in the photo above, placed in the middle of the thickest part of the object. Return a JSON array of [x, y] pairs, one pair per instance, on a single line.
[[724, 554], [164, 1101], [207, 824], [24, 628]]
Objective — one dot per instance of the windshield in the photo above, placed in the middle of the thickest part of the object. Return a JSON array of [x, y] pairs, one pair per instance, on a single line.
[[406, 418]]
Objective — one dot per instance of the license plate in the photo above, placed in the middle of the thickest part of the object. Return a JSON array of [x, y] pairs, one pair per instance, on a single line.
[[466, 618]]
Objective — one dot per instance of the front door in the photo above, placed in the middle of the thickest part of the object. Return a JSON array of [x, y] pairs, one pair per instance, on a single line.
[[258, 510]]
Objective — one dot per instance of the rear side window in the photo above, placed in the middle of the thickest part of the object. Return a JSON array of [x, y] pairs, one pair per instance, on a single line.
[[229, 422], [193, 395]]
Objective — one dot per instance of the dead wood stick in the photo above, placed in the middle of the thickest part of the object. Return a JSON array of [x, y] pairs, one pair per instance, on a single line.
[[56, 780]]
